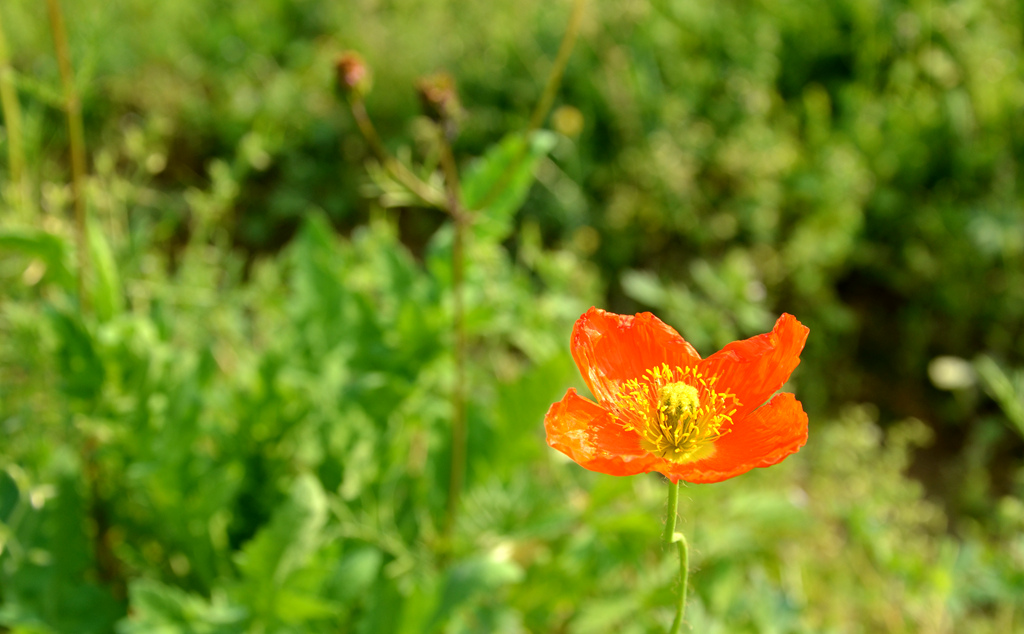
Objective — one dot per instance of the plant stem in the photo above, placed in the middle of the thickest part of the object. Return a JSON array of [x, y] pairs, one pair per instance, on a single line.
[[76, 140], [399, 172], [460, 220], [450, 202], [12, 121], [670, 519], [669, 537], [547, 98], [572, 30], [107, 563]]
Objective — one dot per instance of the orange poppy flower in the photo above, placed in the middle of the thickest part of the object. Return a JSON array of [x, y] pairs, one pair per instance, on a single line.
[[660, 407]]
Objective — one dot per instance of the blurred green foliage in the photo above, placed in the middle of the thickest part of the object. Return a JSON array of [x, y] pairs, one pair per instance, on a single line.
[[248, 430]]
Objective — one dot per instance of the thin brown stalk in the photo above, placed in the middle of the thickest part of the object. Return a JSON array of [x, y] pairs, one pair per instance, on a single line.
[[398, 171], [76, 140], [12, 121]]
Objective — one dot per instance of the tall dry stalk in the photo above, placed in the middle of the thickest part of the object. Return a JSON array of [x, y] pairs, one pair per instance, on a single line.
[[76, 140]]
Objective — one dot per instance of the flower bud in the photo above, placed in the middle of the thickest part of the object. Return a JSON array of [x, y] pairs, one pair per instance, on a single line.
[[438, 98], [353, 75]]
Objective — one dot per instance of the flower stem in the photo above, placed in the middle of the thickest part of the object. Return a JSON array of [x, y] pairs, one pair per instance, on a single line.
[[669, 537], [460, 220], [397, 170]]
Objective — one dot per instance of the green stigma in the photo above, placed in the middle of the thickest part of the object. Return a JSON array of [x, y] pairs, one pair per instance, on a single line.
[[678, 400], [677, 413], [681, 429]]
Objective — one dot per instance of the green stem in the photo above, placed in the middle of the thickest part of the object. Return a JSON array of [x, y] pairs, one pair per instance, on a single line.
[[76, 140], [669, 537], [670, 520], [460, 220], [547, 98], [572, 30]]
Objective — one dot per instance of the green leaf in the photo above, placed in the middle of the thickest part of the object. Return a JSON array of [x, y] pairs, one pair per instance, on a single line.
[[385, 607], [106, 291], [291, 537], [294, 607], [521, 403], [81, 369], [496, 185], [56, 590], [9, 496], [283, 546], [156, 607], [470, 578], [644, 286], [356, 572], [1003, 389]]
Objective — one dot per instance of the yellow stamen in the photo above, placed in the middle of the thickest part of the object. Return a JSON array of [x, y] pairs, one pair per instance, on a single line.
[[678, 413]]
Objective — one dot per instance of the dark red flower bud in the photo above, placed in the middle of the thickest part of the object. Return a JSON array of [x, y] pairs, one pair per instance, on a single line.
[[438, 97], [353, 74]]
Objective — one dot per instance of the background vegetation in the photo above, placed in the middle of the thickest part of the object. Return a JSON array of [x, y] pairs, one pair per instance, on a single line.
[[247, 426]]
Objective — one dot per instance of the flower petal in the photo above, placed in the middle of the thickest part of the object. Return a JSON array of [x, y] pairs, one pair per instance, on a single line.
[[753, 369], [610, 349], [764, 438], [587, 433]]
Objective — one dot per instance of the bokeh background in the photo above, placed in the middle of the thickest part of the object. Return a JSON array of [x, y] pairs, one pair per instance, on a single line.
[[247, 428]]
